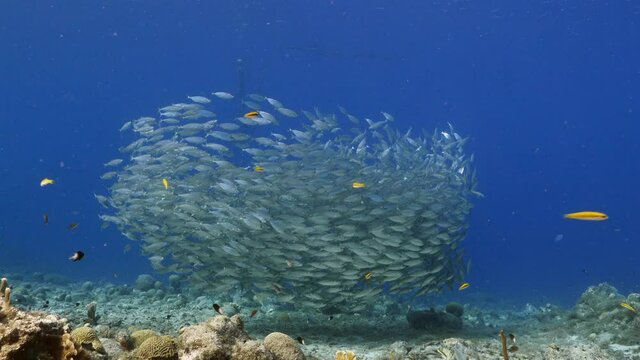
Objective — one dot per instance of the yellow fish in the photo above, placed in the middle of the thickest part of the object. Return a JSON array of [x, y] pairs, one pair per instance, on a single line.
[[464, 286], [358, 185], [628, 307], [587, 215], [165, 182], [47, 181], [251, 114], [368, 275], [258, 169]]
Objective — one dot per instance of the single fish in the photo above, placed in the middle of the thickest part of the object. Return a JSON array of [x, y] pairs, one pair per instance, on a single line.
[[77, 256], [587, 215], [464, 286], [72, 226], [199, 99], [251, 114], [258, 169], [368, 275], [253, 313], [223, 95], [47, 181], [629, 307], [45, 218], [218, 309], [165, 182], [300, 340], [358, 185]]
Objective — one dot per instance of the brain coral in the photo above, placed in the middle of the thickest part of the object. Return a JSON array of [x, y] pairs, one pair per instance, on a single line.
[[140, 336], [88, 338], [158, 348]]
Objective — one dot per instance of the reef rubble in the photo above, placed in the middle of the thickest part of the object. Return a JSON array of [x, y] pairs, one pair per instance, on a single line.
[[49, 321]]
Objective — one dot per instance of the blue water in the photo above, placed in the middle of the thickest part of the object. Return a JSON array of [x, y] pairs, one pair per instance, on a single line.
[[548, 91]]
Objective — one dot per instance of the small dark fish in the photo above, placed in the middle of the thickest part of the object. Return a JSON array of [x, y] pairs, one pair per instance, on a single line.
[[77, 256], [513, 348], [300, 340], [72, 226], [253, 313], [330, 317], [45, 218], [512, 338], [218, 309]]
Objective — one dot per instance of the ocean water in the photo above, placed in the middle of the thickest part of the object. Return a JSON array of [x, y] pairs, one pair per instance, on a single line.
[[548, 92]]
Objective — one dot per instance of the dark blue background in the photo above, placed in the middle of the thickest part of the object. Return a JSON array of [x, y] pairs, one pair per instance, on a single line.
[[548, 92]]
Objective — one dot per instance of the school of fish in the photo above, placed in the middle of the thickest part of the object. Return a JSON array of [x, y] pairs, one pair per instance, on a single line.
[[296, 207]]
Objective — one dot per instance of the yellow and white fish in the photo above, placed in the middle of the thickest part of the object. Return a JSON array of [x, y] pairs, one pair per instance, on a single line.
[[629, 307], [47, 181]]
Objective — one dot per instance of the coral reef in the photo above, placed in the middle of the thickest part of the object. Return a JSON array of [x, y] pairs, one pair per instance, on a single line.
[[139, 336], [283, 347], [224, 337], [345, 355], [598, 327], [158, 348], [252, 350], [35, 336], [88, 338], [214, 338]]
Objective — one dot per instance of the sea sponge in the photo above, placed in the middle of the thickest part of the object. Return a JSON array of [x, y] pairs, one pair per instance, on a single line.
[[283, 347], [138, 337], [158, 348], [88, 338]]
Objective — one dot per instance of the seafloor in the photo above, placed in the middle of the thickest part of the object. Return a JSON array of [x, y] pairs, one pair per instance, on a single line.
[[597, 327]]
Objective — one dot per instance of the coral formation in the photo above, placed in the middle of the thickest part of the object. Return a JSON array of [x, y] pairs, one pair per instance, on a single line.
[[139, 336], [252, 350], [432, 319], [158, 348], [345, 355], [503, 344], [88, 338], [5, 292], [283, 347], [40, 335], [215, 337], [92, 317]]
